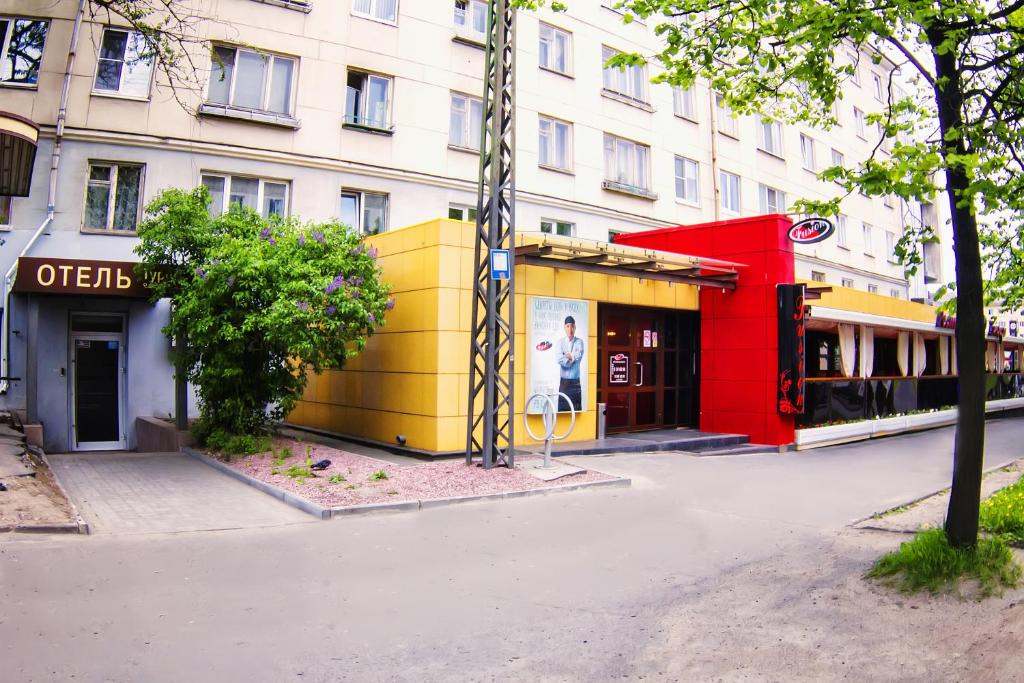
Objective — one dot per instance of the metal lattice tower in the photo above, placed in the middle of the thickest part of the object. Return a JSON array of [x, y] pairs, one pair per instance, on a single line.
[[491, 390]]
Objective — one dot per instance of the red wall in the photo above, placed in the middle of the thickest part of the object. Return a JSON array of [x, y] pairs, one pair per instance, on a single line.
[[739, 329]]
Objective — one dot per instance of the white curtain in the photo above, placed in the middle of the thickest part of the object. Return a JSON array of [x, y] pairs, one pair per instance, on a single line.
[[903, 352], [990, 355], [867, 351], [848, 349], [952, 357], [920, 354], [944, 355]]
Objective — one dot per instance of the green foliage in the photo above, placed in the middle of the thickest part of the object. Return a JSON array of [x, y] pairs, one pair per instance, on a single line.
[[336, 479], [379, 475], [1003, 513], [260, 302], [930, 563], [229, 444], [282, 456], [299, 473]]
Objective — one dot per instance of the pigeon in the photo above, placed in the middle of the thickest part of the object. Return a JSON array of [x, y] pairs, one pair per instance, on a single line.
[[320, 465], [3, 486]]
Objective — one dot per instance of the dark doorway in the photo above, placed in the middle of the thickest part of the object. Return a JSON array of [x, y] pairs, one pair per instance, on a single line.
[[97, 359]]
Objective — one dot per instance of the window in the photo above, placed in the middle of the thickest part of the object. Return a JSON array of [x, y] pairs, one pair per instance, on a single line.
[[367, 212], [465, 121], [21, 50], [838, 160], [872, 289], [684, 103], [730, 183], [381, 10], [558, 227], [555, 49], [855, 63], [251, 80], [890, 247], [858, 120], [125, 64], [268, 197], [835, 111], [629, 81], [461, 212], [769, 137], [772, 200], [728, 123], [817, 276], [807, 152], [367, 100], [894, 293], [555, 143], [869, 248], [841, 231], [625, 163], [471, 18], [113, 196], [876, 82], [687, 185], [5, 211], [848, 282], [888, 202]]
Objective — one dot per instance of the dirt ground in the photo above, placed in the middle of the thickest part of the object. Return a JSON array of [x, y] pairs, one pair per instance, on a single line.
[[33, 501]]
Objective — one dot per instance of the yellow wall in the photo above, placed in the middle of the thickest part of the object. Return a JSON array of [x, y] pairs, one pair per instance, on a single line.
[[412, 377], [848, 299]]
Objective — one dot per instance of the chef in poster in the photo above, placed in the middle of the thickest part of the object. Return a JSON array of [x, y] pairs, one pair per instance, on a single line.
[[558, 331]]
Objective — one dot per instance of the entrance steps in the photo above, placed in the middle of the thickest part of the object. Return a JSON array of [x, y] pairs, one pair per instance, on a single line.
[[689, 440]]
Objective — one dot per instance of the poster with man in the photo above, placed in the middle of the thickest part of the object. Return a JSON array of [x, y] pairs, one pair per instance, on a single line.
[[557, 333]]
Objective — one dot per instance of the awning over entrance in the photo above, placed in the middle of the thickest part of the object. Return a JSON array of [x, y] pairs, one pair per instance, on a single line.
[[555, 251], [18, 139]]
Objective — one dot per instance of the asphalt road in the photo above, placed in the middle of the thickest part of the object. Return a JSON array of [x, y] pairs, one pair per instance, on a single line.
[[561, 587]]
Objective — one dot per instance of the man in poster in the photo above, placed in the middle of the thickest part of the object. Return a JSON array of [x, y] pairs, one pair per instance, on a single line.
[[570, 353]]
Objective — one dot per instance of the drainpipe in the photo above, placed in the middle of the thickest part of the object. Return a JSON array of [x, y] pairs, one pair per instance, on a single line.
[[51, 198], [715, 181]]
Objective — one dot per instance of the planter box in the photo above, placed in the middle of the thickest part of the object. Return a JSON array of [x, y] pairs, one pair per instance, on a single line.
[[832, 434], [939, 418], [888, 425]]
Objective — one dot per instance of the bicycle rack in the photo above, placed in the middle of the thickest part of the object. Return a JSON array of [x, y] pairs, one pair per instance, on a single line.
[[550, 417]]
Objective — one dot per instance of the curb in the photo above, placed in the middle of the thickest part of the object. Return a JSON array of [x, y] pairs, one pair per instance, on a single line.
[[400, 506], [79, 526], [69, 528]]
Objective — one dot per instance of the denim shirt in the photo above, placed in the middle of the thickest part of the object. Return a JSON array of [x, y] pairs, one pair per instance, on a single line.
[[570, 369]]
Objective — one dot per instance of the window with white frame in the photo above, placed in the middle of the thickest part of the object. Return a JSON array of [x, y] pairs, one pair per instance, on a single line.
[[869, 246], [890, 247], [252, 80], [876, 83], [471, 18], [381, 10], [368, 100], [266, 197], [630, 81], [125, 64], [366, 212], [21, 50], [553, 227], [555, 49], [554, 143], [855, 63], [684, 103], [838, 160], [626, 163], [848, 282], [772, 200], [835, 111], [769, 137], [841, 231], [807, 152], [728, 123], [872, 289], [817, 276], [113, 196], [687, 180], [858, 122], [464, 121], [730, 190], [5, 211], [461, 212]]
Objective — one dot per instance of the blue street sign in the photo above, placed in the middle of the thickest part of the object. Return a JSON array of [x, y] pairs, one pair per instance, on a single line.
[[501, 264]]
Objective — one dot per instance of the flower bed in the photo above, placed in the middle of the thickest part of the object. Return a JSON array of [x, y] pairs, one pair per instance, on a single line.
[[353, 479]]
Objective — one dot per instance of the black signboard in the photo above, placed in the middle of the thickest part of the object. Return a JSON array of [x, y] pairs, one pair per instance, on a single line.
[[791, 349], [619, 371]]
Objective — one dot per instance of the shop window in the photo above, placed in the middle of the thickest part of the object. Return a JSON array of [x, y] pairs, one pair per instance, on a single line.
[[251, 80], [368, 100], [555, 49], [687, 185], [730, 189], [769, 137], [824, 359], [629, 81], [461, 212], [728, 122], [772, 200], [267, 197], [367, 212], [5, 211], [21, 50], [381, 10], [465, 119], [113, 197], [554, 143], [471, 19], [626, 164], [684, 103], [563, 228], [886, 364], [125, 64]]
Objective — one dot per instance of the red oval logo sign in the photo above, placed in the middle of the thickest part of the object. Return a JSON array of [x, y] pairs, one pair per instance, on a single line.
[[811, 230]]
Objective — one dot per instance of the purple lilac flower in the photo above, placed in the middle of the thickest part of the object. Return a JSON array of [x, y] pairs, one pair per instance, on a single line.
[[201, 273], [372, 253], [356, 294], [231, 280], [390, 304], [330, 310], [372, 318], [358, 250], [335, 284], [302, 239], [319, 237], [302, 305], [355, 281], [265, 233], [273, 241]]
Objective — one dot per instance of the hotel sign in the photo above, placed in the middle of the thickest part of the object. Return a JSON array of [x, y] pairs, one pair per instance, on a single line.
[[811, 230], [78, 276]]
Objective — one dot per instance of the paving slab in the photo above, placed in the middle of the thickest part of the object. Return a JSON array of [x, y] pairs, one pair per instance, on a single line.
[[13, 466], [126, 493], [556, 470]]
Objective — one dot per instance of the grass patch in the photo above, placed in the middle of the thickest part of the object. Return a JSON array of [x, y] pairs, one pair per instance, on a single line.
[[336, 479], [928, 562], [379, 475], [1003, 513]]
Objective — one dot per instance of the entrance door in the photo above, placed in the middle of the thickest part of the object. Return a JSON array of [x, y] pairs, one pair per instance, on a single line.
[[647, 367], [97, 383]]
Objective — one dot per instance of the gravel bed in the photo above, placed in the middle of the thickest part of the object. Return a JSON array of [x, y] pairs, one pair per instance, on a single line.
[[425, 481]]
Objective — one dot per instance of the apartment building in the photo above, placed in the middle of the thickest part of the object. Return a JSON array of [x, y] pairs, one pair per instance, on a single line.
[[369, 110]]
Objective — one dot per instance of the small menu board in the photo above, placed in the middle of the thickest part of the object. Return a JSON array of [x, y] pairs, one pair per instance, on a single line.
[[619, 371]]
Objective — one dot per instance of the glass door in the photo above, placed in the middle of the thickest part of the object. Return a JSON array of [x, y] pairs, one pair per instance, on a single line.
[[97, 383]]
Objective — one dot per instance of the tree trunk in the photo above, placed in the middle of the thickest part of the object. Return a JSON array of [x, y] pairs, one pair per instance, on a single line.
[[969, 448]]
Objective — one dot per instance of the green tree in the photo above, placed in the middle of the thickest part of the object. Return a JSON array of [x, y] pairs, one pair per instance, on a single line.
[[261, 302], [785, 59]]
